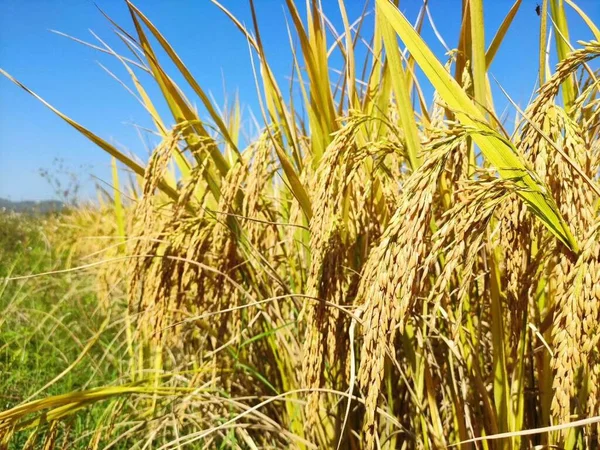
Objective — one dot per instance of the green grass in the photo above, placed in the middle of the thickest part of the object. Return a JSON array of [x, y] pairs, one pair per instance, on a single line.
[[46, 322]]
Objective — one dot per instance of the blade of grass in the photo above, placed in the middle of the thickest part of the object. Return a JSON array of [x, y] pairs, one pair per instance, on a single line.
[[188, 77], [314, 50], [403, 103], [293, 180], [563, 48], [195, 135], [542, 49], [532, 431], [478, 57], [182, 163], [119, 213], [593, 28], [501, 34], [130, 163]]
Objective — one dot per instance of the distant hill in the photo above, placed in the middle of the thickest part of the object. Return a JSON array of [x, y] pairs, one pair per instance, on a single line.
[[29, 206]]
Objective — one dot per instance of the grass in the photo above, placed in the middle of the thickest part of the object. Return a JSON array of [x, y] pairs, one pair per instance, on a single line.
[[46, 322], [380, 271]]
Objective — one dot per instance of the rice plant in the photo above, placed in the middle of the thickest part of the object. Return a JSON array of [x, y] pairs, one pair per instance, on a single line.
[[376, 269]]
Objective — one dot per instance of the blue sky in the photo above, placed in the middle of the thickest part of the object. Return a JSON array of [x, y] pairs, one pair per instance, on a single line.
[[69, 77]]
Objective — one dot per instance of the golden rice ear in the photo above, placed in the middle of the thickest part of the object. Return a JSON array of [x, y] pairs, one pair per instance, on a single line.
[[576, 335], [388, 294], [329, 277]]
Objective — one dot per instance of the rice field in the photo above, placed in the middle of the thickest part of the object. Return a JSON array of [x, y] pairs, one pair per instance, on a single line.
[[379, 268]]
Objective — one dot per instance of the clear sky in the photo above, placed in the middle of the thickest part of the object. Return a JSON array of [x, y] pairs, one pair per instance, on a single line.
[[68, 75]]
